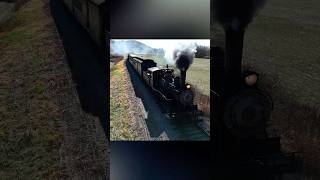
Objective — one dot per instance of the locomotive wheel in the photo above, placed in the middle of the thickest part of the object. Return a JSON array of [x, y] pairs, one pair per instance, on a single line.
[[246, 114], [186, 97]]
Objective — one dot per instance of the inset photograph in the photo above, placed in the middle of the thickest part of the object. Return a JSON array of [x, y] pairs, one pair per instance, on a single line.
[[159, 89]]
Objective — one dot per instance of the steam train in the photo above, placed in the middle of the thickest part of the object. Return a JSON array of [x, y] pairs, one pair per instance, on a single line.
[[166, 84], [241, 116]]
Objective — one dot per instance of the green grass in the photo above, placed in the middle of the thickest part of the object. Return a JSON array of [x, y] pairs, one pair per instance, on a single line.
[[115, 72], [18, 36]]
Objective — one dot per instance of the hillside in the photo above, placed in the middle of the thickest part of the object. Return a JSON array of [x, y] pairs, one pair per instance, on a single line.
[[122, 47]]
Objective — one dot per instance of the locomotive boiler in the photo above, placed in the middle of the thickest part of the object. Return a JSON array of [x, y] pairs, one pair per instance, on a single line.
[[171, 88]]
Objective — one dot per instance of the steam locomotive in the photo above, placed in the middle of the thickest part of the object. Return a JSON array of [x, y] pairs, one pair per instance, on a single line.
[[241, 116], [171, 88]]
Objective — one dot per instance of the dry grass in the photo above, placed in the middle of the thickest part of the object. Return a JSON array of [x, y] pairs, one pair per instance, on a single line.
[[37, 99], [124, 110], [297, 124], [199, 75], [29, 138], [203, 101], [119, 118]]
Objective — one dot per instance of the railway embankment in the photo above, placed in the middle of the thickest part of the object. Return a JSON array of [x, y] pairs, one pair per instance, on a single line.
[[44, 133], [127, 112]]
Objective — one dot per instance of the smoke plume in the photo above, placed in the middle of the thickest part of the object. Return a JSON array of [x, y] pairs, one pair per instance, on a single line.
[[172, 50], [183, 58], [236, 14]]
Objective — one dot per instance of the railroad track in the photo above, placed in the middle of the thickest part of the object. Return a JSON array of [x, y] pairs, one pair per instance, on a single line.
[[204, 124]]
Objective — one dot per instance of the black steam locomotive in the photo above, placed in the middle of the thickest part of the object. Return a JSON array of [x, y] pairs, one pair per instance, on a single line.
[[241, 117], [245, 145], [163, 82]]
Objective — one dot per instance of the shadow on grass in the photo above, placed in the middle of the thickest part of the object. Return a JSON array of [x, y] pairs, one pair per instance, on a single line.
[[87, 64]]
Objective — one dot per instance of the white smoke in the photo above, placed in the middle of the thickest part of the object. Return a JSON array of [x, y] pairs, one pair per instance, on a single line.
[[173, 48]]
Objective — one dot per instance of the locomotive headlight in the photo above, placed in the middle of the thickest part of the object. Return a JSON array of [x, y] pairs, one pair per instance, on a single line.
[[188, 86], [251, 79]]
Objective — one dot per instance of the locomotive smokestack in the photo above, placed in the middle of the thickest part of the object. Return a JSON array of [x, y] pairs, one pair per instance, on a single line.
[[183, 61], [183, 75], [233, 59], [234, 16]]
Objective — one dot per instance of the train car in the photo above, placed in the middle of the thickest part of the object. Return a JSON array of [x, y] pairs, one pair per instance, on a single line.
[[91, 14], [140, 64], [150, 76]]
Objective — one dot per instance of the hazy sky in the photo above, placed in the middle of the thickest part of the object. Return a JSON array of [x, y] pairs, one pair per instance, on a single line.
[[162, 43]]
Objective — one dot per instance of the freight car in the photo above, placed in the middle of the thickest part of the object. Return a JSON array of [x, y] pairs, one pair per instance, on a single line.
[[169, 87], [91, 14]]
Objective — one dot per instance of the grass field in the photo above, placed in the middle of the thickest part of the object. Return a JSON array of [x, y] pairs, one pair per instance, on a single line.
[[283, 41], [283, 44], [29, 136], [199, 75], [43, 130]]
